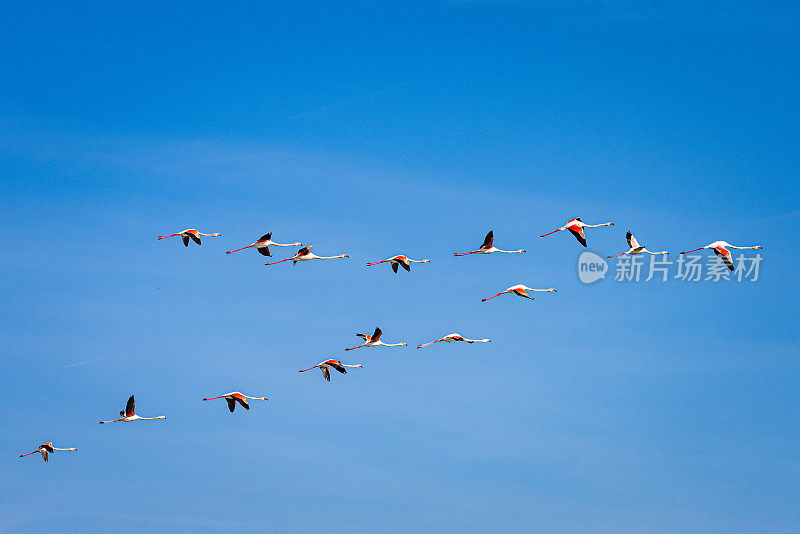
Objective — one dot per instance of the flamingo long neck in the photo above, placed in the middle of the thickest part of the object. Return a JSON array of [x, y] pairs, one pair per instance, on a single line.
[[151, 418], [510, 251], [744, 248], [598, 225], [419, 261], [327, 257], [285, 244]]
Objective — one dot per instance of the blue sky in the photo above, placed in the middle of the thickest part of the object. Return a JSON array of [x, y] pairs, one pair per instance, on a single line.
[[376, 129]]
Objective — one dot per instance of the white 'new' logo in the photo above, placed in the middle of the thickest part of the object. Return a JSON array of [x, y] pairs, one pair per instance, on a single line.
[[591, 267]]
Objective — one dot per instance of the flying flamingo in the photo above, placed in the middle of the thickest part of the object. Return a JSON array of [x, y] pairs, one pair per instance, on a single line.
[[576, 226], [305, 254], [720, 248], [520, 290], [129, 414], [488, 247], [189, 233], [235, 396], [46, 448], [449, 338], [374, 340], [398, 261], [263, 244], [327, 364], [636, 248]]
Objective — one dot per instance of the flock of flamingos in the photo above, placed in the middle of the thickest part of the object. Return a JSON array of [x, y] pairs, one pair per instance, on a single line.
[[575, 226]]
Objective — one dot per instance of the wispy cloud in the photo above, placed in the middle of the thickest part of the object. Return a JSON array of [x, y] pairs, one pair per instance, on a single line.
[[89, 361]]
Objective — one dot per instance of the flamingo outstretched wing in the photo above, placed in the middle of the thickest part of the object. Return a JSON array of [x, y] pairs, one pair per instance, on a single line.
[[488, 241], [725, 256], [130, 407], [376, 335], [632, 243], [577, 231]]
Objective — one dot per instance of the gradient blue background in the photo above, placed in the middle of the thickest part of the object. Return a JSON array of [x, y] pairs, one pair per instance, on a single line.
[[379, 128]]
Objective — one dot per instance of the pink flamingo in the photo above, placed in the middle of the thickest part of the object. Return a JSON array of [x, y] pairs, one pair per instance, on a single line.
[[576, 226], [374, 340], [327, 364], [263, 244], [305, 254], [398, 260], [450, 338], [46, 448], [488, 247], [720, 248], [636, 248], [236, 396], [129, 414], [519, 290], [189, 233]]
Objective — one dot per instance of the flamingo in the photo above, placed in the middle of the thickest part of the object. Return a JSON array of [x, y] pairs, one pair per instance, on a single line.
[[129, 414], [488, 247], [327, 364], [189, 233], [720, 248], [263, 244], [305, 254], [398, 261], [520, 290], [374, 340], [449, 338], [46, 448], [636, 248], [576, 226], [236, 396]]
